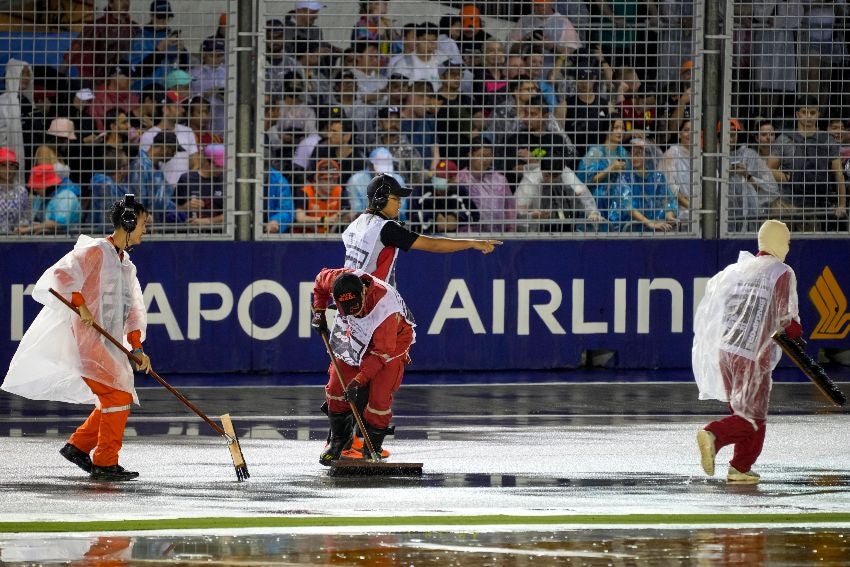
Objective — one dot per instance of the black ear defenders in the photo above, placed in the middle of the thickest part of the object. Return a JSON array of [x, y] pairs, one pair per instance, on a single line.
[[128, 214]]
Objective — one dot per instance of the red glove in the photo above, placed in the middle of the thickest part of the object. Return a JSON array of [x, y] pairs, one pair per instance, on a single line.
[[794, 330]]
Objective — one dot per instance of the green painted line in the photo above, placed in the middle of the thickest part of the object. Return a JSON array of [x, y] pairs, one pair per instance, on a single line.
[[390, 521]]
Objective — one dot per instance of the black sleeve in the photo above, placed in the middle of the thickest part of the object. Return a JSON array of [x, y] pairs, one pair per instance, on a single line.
[[393, 234]]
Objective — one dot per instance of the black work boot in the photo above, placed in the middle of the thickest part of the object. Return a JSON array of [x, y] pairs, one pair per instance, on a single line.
[[342, 425], [115, 473], [376, 436], [76, 456]]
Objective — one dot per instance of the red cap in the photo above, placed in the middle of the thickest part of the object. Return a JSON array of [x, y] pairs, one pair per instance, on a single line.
[[328, 165], [43, 176], [734, 125], [445, 168], [174, 96], [7, 156]]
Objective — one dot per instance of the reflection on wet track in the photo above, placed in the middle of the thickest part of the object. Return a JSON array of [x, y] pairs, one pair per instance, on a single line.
[[751, 547]]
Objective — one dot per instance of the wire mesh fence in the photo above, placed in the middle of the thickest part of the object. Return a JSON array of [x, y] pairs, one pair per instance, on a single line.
[[519, 119], [786, 145], [103, 99]]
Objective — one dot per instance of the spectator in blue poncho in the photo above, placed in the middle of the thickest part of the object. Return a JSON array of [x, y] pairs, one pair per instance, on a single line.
[[645, 200]]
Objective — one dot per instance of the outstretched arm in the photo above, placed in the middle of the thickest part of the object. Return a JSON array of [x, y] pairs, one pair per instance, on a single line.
[[447, 245]]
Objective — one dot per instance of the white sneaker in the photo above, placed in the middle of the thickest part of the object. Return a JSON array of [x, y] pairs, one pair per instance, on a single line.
[[738, 477], [705, 442]]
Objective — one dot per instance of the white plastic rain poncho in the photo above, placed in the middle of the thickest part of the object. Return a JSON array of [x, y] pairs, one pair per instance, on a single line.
[[58, 349], [733, 354], [11, 124]]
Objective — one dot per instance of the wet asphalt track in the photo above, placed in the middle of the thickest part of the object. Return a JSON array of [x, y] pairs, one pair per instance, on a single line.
[[558, 450]]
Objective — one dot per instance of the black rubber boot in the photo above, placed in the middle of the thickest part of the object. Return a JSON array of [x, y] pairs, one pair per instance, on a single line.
[[360, 403], [342, 425], [115, 473], [76, 456], [376, 436]]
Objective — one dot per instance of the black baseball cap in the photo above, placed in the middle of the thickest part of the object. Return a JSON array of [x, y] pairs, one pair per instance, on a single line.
[[391, 183], [348, 293], [386, 111]]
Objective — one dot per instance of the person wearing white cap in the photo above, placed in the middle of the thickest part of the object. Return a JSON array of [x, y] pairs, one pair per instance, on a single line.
[[86, 127], [380, 161], [733, 354], [299, 26]]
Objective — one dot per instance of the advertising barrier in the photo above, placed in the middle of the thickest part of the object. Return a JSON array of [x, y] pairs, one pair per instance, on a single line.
[[244, 307]]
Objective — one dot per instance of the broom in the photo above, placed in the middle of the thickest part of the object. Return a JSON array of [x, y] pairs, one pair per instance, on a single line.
[[373, 466], [228, 432]]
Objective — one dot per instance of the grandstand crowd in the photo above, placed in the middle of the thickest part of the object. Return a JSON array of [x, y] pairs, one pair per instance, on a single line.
[[576, 117]]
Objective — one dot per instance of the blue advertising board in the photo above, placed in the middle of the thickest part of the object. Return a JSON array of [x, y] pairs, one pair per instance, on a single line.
[[244, 307]]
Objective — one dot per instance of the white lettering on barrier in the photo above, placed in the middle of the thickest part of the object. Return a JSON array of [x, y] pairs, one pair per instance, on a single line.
[[160, 311], [699, 291], [243, 310], [620, 305], [456, 288], [580, 326], [195, 313], [16, 322], [546, 311], [498, 307], [305, 309], [165, 315], [645, 286]]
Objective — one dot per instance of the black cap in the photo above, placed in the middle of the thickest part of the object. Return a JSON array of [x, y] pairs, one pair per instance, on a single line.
[[587, 73], [385, 111], [212, 45], [275, 25], [388, 183], [348, 293], [161, 8]]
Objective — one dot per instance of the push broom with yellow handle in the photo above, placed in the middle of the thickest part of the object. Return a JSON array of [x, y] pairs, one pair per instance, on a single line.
[[227, 431]]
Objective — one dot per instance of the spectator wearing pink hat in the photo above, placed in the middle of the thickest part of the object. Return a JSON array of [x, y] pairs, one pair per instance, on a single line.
[[55, 147], [14, 197], [200, 192], [56, 202]]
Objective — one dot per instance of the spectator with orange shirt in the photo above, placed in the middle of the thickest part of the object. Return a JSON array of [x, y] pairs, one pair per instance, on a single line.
[[318, 205]]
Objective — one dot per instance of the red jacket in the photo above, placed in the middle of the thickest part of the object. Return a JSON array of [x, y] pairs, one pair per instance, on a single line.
[[391, 339]]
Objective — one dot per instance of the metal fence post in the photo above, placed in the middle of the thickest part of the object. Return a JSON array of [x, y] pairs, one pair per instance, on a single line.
[[245, 123], [711, 96]]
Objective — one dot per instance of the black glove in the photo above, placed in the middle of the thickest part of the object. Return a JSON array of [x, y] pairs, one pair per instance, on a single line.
[[350, 394], [319, 322]]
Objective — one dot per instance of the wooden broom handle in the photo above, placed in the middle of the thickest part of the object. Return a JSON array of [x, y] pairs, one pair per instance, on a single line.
[[356, 413], [216, 427]]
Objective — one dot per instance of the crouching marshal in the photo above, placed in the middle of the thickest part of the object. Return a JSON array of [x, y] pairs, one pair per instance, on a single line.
[[370, 336]]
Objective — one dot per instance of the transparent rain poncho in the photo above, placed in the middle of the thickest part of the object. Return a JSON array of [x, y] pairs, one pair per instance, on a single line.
[[733, 353], [57, 349]]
